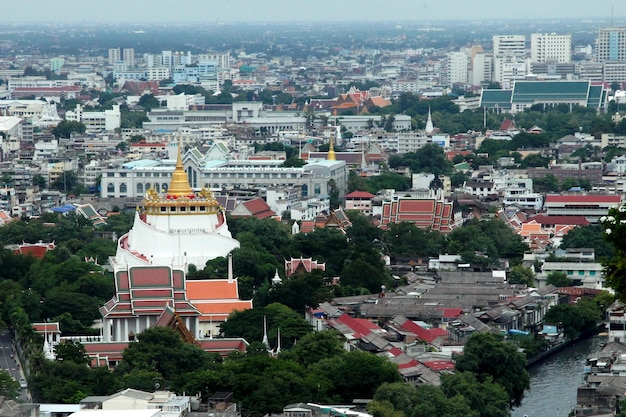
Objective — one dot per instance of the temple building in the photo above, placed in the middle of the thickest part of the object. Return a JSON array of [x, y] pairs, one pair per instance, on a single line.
[[172, 231]]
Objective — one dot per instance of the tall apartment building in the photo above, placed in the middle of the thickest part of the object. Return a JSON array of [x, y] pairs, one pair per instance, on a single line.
[[482, 69], [509, 53], [550, 47], [129, 56], [457, 67], [509, 45], [115, 55], [611, 45]]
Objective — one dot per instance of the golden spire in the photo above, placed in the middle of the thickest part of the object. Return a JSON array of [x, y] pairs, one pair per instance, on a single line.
[[179, 185], [331, 148]]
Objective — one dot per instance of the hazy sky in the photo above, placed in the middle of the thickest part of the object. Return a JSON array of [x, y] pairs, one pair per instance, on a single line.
[[299, 10]]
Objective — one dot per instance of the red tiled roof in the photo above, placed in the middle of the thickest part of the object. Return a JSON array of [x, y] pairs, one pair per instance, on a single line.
[[258, 208], [553, 198], [359, 194]]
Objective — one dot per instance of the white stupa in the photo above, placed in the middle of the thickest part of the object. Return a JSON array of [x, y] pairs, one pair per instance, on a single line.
[[176, 229], [429, 123]]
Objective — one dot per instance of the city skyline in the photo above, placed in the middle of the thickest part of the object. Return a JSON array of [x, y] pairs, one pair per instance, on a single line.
[[66, 11]]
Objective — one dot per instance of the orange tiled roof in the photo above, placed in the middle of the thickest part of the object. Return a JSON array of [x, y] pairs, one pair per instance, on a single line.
[[211, 289], [221, 309]]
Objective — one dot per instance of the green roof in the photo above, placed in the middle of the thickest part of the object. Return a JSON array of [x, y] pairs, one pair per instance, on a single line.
[[595, 96], [496, 98], [463, 166], [550, 91]]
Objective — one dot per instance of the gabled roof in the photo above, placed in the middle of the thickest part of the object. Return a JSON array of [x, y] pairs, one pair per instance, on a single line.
[[256, 207], [508, 125], [496, 98], [211, 289], [542, 91]]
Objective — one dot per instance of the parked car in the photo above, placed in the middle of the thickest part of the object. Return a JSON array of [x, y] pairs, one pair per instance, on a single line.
[[22, 382]]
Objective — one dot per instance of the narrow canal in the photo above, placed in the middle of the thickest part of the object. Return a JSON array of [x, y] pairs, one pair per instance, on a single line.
[[553, 382]]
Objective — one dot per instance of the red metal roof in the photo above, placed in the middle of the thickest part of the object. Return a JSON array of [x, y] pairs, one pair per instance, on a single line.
[[553, 198], [561, 220]]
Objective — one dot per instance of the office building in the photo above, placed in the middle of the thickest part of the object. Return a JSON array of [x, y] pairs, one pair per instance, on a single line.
[[611, 45], [550, 48]]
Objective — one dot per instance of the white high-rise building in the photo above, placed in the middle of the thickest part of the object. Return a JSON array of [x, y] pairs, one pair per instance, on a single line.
[[550, 47], [114, 55], [509, 45], [129, 57], [457, 66], [482, 68]]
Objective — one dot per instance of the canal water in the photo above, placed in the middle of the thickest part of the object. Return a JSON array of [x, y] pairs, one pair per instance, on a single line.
[[553, 382]]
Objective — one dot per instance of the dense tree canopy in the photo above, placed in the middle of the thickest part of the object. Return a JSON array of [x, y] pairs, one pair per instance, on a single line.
[[492, 359]]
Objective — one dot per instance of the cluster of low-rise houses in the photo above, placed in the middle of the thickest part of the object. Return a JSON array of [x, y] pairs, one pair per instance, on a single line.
[[418, 326]]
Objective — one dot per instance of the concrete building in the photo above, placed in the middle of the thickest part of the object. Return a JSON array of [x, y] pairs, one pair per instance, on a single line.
[[457, 67], [509, 45], [592, 207], [108, 120], [550, 47], [133, 179], [114, 55], [482, 69], [611, 45]]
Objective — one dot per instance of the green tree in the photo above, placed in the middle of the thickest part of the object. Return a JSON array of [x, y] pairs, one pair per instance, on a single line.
[[293, 162], [66, 127], [9, 387], [72, 352], [558, 279], [521, 275], [39, 181], [162, 350], [487, 397], [356, 374], [249, 325], [492, 359], [149, 102], [575, 318], [591, 236], [315, 346]]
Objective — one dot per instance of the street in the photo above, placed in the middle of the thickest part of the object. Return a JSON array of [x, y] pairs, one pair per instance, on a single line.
[[8, 360]]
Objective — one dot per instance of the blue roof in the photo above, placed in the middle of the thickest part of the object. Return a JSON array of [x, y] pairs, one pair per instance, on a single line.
[[64, 209]]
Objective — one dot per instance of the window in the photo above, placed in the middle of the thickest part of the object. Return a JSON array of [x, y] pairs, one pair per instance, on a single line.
[[140, 188], [592, 273], [110, 188], [570, 272], [581, 273], [123, 188]]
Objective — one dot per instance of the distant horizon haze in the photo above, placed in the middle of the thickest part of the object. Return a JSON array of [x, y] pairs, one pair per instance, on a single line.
[[248, 11]]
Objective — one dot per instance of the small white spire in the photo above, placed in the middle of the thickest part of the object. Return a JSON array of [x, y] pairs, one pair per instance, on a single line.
[[429, 123], [277, 279], [277, 350], [265, 341]]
